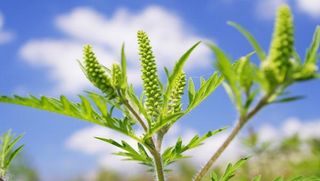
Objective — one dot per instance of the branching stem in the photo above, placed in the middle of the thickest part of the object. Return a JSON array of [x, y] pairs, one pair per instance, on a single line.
[[141, 122], [155, 148], [135, 114], [241, 122], [159, 166]]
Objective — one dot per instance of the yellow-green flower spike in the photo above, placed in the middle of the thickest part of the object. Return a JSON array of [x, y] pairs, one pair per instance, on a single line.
[[282, 45], [177, 92], [95, 72], [116, 75], [150, 78]]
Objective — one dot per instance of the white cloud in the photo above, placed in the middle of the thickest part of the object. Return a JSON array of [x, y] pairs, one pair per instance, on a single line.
[[305, 130], [5, 36], [82, 141], [60, 57], [266, 9], [310, 7], [169, 36]]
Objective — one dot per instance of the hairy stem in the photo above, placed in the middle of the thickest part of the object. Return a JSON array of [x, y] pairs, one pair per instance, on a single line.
[[159, 141], [2, 167], [241, 122], [136, 115], [159, 166], [155, 148]]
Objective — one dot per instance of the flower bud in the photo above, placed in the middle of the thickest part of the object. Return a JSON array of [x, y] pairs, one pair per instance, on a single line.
[[150, 78], [282, 46], [176, 95], [95, 72], [116, 75]]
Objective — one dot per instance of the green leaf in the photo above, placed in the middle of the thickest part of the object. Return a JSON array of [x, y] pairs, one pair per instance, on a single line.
[[62, 106], [300, 178], [176, 152], [204, 91], [83, 110], [13, 155], [11, 144], [169, 119], [124, 83], [288, 99], [225, 67], [100, 102], [246, 72], [312, 52], [166, 70], [279, 179], [230, 171], [138, 103], [214, 176], [191, 90], [257, 178], [86, 107], [7, 151], [261, 54], [175, 74], [197, 141], [110, 141], [129, 153]]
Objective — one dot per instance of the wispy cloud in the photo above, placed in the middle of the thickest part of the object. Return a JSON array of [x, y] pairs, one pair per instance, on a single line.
[[266, 9], [83, 141], [170, 37], [5, 36], [310, 7]]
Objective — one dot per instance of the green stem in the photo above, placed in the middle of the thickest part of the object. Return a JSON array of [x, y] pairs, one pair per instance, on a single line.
[[135, 114], [2, 164], [126, 103], [242, 121], [159, 166], [159, 141], [155, 149]]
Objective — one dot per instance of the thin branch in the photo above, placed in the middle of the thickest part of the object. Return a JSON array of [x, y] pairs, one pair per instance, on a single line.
[[127, 104], [159, 165], [241, 122], [136, 115], [155, 148], [159, 141]]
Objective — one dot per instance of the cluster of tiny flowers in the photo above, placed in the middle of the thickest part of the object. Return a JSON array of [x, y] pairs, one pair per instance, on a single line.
[[95, 72], [175, 98], [116, 75], [282, 45], [149, 76]]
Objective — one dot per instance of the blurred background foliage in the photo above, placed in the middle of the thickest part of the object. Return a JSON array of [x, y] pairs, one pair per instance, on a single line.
[[22, 169], [288, 157]]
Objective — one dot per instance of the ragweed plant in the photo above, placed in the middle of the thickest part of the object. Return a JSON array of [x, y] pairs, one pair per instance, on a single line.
[[8, 152], [155, 111], [253, 87]]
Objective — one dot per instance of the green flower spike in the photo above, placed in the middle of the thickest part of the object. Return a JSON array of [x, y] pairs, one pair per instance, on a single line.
[[175, 98], [95, 72], [282, 46], [149, 76], [116, 75]]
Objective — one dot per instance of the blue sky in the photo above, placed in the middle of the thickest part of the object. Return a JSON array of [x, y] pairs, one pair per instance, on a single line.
[[41, 40]]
